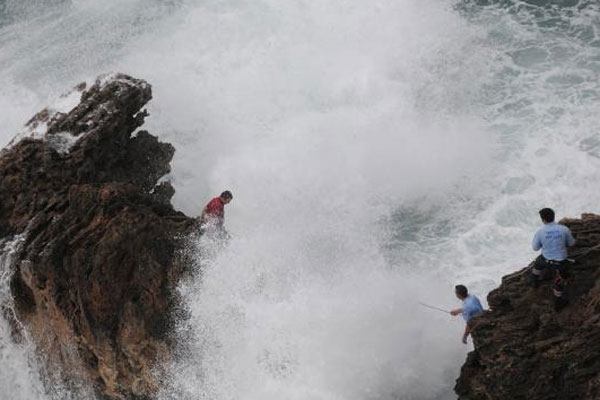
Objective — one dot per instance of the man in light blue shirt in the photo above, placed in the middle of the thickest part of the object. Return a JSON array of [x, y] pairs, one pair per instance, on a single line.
[[471, 307], [553, 239]]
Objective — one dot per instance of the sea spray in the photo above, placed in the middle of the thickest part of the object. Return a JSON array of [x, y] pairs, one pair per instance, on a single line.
[[17, 377]]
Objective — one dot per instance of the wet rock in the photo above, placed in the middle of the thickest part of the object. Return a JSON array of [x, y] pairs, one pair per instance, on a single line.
[[526, 350], [98, 256]]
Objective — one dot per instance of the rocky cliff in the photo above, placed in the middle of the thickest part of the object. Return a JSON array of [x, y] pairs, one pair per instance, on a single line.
[[96, 243], [526, 350]]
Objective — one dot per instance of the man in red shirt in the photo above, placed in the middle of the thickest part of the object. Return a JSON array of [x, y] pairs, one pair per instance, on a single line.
[[213, 215]]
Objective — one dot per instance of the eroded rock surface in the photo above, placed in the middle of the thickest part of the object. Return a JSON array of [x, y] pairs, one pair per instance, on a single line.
[[98, 261], [525, 350]]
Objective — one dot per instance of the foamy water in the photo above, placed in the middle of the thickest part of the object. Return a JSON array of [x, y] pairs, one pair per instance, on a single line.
[[378, 154]]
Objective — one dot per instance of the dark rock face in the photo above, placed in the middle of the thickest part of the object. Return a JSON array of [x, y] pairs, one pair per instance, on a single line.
[[524, 349], [98, 262]]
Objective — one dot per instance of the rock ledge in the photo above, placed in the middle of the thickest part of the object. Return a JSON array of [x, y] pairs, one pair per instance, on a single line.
[[94, 241], [524, 349]]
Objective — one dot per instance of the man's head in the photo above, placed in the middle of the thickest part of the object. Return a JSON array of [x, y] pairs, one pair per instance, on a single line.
[[461, 291], [547, 215], [226, 196]]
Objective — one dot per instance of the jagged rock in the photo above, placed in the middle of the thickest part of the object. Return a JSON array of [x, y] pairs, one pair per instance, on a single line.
[[97, 260], [526, 350]]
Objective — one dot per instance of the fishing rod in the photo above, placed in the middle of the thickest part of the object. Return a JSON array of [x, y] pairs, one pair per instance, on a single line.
[[434, 308]]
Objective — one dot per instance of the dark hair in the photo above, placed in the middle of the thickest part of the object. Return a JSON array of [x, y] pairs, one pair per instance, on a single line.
[[461, 290], [226, 195], [547, 214]]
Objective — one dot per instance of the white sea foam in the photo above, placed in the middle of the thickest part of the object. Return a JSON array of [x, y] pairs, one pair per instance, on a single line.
[[63, 142], [17, 377], [37, 128]]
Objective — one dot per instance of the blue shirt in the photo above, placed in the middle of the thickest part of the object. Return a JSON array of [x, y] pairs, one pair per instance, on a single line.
[[471, 307], [553, 239]]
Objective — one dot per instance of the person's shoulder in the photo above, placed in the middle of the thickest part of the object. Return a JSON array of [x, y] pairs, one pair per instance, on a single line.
[[477, 303], [564, 227], [212, 202], [545, 227]]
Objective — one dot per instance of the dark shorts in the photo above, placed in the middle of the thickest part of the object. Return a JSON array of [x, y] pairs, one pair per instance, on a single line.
[[551, 268]]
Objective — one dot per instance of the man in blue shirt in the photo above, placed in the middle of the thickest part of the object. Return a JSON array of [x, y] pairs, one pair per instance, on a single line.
[[553, 239], [471, 306]]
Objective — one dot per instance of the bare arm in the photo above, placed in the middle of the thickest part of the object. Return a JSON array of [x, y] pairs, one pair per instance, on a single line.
[[467, 332], [456, 311]]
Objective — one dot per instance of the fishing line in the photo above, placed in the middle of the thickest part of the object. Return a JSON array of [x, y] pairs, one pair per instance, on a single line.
[[434, 308]]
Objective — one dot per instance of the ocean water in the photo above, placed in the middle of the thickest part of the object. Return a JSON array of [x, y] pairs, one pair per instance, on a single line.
[[378, 153]]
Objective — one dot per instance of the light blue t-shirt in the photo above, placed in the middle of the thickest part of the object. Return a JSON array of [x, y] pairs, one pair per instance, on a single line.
[[471, 307], [553, 239]]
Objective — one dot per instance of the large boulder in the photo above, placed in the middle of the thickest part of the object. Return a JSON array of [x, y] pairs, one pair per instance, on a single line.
[[91, 239], [526, 350]]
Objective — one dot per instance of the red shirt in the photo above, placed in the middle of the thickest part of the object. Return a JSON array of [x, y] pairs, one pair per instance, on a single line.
[[214, 212]]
